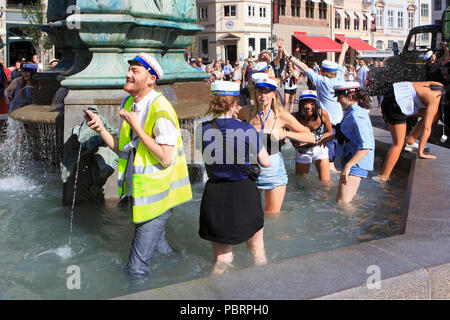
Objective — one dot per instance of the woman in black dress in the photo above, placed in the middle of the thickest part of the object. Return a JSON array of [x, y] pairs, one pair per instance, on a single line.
[[231, 210]]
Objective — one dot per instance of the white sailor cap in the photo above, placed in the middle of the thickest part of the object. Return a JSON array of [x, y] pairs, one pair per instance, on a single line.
[[308, 94], [266, 84], [225, 88], [149, 63], [329, 66], [428, 55], [260, 67], [29, 67], [259, 75], [346, 88]]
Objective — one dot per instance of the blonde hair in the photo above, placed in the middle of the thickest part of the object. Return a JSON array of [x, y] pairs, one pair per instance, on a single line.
[[276, 105]]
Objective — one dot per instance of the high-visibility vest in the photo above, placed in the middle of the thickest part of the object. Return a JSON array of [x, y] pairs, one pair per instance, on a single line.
[[156, 188]]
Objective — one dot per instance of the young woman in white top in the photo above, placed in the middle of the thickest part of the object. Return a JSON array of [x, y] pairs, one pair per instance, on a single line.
[[289, 77]]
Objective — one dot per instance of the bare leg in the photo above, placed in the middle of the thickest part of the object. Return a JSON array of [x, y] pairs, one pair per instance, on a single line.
[[286, 101], [223, 257], [347, 191], [398, 133], [274, 199], [415, 132], [291, 102], [323, 169], [302, 169], [256, 245]]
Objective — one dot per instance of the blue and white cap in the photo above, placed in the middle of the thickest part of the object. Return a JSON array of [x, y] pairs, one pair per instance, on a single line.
[[259, 76], [149, 63], [308, 94], [260, 67], [266, 84], [428, 55], [29, 67], [346, 88], [225, 88], [329, 66]]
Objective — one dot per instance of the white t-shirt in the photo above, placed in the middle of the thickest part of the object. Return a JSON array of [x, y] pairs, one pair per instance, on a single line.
[[165, 131], [286, 83]]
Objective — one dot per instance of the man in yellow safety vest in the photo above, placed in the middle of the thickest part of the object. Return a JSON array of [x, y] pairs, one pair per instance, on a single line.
[[152, 164]]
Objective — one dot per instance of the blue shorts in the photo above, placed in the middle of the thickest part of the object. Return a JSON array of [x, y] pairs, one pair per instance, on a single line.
[[332, 147], [273, 176], [358, 172]]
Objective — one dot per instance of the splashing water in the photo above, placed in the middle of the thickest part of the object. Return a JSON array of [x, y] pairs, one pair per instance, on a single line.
[[74, 195]]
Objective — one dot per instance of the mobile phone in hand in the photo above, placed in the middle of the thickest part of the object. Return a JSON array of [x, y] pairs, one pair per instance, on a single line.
[[87, 114]]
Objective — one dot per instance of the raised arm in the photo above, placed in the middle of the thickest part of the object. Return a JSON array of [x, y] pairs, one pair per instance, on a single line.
[[343, 52], [280, 44]]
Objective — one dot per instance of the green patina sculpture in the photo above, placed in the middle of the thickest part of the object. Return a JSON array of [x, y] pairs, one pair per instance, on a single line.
[[97, 38]]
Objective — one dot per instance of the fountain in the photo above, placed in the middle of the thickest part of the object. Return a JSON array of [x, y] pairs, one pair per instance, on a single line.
[[97, 38]]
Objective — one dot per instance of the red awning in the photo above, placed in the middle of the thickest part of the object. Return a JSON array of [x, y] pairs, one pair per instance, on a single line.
[[357, 43], [319, 44]]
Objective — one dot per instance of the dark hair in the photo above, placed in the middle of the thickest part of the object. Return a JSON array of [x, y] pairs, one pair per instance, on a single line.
[[363, 99], [301, 114]]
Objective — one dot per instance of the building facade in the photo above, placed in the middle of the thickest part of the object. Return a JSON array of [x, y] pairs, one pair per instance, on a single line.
[[14, 45], [233, 29], [437, 8], [394, 19]]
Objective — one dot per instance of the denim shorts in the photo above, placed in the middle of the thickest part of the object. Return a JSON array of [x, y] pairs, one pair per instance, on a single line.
[[358, 172], [273, 176]]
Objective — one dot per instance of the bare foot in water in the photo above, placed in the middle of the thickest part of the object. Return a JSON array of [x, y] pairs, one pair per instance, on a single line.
[[221, 267]]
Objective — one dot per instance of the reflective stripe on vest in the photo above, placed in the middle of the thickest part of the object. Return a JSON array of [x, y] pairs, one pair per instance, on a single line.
[[156, 188]]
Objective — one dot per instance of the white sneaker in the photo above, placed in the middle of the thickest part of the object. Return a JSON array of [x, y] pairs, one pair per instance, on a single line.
[[411, 147]]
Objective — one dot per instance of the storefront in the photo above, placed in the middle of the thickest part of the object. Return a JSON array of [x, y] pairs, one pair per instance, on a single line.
[[313, 48]]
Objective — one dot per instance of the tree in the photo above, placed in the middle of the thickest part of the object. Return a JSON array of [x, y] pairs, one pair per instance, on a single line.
[[35, 15]]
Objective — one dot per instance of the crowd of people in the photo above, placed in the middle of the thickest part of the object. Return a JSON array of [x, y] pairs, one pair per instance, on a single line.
[[241, 145], [16, 82]]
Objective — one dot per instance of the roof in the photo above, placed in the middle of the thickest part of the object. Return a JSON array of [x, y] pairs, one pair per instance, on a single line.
[[319, 44]]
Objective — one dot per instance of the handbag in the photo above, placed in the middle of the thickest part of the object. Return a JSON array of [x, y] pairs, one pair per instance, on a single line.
[[253, 171]]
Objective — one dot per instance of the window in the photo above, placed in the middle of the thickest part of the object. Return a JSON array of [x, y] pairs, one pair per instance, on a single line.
[[411, 20], [252, 43], [390, 44], [282, 7], [262, 44], [337, 21], [309, 8], [424, 9], [322, 10], [204, 46], [347, 22], [400, 20], [229, 11], [356, 23], [390, 18], [379, 45], [203, 13], [295, 8], [262, 12], [401, 44], [365, 24], [379, 18], [437, 5], [251, 11]]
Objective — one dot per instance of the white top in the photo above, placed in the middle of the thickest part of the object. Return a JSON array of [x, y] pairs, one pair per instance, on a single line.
[[407, 99], [286, 83], [164, 131]]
